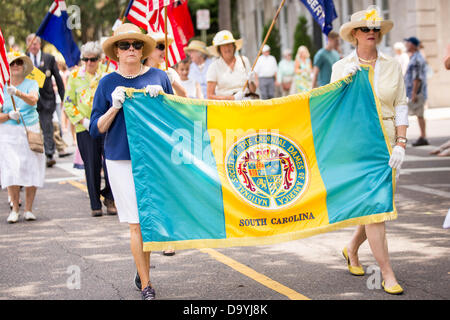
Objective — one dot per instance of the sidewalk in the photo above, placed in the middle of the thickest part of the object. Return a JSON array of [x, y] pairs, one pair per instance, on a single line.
[[436, 114]]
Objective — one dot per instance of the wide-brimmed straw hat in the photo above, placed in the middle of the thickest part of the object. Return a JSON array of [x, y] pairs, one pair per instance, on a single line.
[[367, 18], [197, 45], [128, 31], [27, 63], [221, 38], [160, 37]]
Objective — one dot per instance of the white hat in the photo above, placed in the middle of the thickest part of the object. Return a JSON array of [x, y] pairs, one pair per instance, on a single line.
[[367, 18], [266, 48], [221, 38], [160, 37]]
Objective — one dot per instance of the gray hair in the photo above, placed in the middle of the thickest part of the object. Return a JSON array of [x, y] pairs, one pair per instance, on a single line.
[[91, 48], [32, 36]]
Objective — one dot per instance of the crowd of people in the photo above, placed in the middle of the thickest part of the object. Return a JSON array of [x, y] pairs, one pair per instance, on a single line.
[[91, 97]]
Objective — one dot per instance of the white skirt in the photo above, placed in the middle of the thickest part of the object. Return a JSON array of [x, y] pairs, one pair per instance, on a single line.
[[122, 186], [19, 166]]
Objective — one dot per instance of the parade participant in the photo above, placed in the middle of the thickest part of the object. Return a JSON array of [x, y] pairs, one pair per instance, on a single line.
[[200, 61], [266, 68], [285, 74], [19, 165], [47, 101], [81, 86], [129, 47], [401, 56], [416, 87], [389, 87], [228, 74], [192, 87], [324, 60], [157, 60], [303, 68]]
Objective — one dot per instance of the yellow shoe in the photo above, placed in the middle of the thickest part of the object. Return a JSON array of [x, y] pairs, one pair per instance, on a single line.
[[356, 271], [397, 289]]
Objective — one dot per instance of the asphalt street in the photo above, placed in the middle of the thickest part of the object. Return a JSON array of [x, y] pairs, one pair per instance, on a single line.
[[67, 254]]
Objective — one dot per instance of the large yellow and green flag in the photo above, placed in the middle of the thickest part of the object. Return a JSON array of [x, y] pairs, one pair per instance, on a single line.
[[218, 174]]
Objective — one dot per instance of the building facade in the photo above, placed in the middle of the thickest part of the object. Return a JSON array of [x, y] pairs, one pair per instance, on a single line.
[[424, 19]]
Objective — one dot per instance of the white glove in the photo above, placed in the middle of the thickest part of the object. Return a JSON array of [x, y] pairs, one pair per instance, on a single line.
[[397, 157], [251, 77], [118, 97], [14, 115], [351, 68], [153, 90], [86, 122], [11, 90], [239, 95]]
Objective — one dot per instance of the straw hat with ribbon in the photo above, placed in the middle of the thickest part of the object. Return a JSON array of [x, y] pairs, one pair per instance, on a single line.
[[27, 64], [221, 38], [368, 18], [128, 31], [196, 45]]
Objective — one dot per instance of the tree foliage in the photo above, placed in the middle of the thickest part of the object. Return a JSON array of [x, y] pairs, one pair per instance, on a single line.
[[301, 37], [19, 18]]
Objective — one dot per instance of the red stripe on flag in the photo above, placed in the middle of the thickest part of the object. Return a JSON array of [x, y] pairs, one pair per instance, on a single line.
[[4, 65]]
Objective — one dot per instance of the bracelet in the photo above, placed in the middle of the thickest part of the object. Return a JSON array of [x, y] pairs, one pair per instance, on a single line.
[[401, 140]]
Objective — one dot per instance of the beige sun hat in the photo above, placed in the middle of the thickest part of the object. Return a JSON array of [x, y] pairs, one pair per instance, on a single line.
[[221, 38], [197, 45], [367, 18], [128, 31], [160, 37], [27, 65]]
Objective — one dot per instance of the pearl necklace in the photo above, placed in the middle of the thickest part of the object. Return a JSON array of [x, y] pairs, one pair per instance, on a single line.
[[131, 77]]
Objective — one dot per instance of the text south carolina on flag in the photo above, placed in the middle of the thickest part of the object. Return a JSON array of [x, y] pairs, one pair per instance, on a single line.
[[218, 174]]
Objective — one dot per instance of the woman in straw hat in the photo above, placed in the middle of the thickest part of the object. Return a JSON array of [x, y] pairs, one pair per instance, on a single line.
[[157, 60], [365, 31], [129, 46], [228, 74], [200, 62], [19, 165]]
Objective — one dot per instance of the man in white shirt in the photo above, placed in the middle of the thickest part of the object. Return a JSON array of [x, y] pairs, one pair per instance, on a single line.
[[266, 68]]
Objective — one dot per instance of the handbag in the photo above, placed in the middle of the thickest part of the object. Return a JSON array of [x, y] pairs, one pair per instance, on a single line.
[[35, 140]]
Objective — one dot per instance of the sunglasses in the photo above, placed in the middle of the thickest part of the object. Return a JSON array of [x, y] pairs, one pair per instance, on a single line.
[[367, 30], [126, 45], [90, 59], [160, 46], [17, 62]]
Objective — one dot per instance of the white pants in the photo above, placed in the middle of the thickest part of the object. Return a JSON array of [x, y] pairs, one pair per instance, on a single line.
[[122, 186]]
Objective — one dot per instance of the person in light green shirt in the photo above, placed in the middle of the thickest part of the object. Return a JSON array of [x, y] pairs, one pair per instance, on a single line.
[[81, 86], [285, 74]]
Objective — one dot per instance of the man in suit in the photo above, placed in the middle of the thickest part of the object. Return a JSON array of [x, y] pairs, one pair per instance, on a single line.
[[47, 100]]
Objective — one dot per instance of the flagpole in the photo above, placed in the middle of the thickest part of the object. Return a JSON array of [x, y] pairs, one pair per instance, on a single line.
[[165, 37], [266, 38]]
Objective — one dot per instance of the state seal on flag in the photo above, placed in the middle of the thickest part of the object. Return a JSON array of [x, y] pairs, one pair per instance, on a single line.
[[268, 171]]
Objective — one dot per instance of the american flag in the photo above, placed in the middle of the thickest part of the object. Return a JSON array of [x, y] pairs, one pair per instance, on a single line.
[[4, 67], [158, 4], [149, 15]]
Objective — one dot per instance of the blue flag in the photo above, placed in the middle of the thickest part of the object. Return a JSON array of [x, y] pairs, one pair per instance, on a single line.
[[54, 30], [323, 12]]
